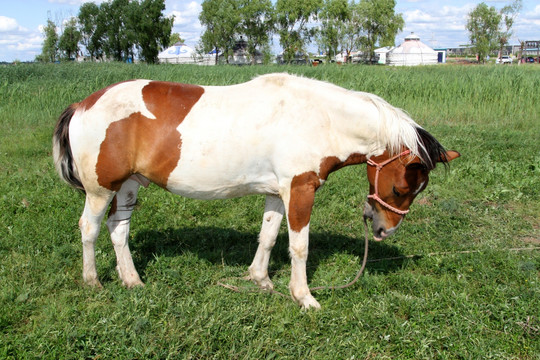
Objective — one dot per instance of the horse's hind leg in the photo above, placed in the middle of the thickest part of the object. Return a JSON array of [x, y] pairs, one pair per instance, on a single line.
[[90, 222], [118, 225], [273, 214]]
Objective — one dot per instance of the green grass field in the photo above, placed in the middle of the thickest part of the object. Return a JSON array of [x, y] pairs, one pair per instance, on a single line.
[[471, 290]]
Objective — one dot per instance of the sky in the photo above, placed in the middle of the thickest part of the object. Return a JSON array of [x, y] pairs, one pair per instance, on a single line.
[[440, 24]]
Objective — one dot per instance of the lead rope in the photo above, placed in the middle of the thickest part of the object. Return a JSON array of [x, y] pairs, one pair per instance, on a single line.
[[317, 288], [360, 272]]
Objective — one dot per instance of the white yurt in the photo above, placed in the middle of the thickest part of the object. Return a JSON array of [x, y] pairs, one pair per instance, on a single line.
[[179, 53], [412, 52]]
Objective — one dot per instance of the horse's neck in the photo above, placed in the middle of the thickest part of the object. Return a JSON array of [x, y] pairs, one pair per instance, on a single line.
[[355, 125]]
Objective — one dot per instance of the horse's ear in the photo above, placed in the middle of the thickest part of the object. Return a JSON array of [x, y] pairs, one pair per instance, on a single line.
[[448, 156]]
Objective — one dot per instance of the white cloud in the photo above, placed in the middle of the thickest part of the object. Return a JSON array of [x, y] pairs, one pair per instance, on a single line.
[[17, 42], [186, 13], [8, 24], [186, 20], [526, 25], [437, 25], [533, 15], [23, 45]]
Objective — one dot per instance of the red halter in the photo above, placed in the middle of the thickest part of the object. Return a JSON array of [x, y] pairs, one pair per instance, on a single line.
[[375, 195]]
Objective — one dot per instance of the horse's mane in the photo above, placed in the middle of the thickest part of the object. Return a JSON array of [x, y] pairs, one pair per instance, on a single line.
[[398, 130]]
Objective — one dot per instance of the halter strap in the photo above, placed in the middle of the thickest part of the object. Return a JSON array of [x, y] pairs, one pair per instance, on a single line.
[[375, 195]]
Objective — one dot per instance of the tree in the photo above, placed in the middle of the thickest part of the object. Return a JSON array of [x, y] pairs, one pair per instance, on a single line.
[[350, 32], [117, 19], [91, 33], [69, 40], [292, 18], [152, 28], [508, 14], [175, 38], [483, 26], [334, 16], [257, 24], [380, 23], [221, 19], [49, 52]]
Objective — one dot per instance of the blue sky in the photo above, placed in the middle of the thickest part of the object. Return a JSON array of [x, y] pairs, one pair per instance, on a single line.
[[438, 23]]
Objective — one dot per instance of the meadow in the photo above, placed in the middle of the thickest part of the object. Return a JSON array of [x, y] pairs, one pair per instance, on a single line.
[[459, 280]]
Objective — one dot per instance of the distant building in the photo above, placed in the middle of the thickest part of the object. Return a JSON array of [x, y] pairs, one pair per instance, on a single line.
[[180, 53], [412, 52], [381, 53], [242, 57]]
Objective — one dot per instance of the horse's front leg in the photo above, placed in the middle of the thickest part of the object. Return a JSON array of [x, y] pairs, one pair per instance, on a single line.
[[273, 215], [299, 206]]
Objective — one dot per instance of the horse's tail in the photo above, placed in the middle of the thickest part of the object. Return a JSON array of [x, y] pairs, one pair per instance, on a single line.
[[63, 158]]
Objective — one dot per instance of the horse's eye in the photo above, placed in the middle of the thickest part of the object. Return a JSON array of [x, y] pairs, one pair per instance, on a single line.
[[395, 191]]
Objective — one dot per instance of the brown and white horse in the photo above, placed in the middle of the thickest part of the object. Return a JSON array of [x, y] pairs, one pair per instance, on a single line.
[[275, 135]]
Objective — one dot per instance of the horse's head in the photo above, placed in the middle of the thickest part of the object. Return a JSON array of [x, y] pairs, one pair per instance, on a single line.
[[394, 183]]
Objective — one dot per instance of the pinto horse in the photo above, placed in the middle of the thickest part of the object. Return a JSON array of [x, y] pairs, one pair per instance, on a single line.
[[273, 135]]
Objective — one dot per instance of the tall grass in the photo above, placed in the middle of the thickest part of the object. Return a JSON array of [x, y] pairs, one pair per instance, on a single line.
[[498, 95], [464, 294]]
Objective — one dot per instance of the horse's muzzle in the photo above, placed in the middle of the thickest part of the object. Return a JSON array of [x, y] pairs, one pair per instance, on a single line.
[[380, 232]]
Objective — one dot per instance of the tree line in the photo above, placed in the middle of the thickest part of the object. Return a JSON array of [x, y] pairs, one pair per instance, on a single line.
[[118, 29], [333, 25], [123, 29]]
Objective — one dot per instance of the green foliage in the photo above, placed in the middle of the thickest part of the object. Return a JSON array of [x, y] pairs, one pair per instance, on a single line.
[[257, 24], [222, 19], [292, 18], [153, 29], [49, 52], [333, 16], [464, 294], [228, 20], [69, 40], [118, 29], [175, 38], [359, 25], [483, 26], [91, 32], [118, 20], [508, 14], [380, 23]]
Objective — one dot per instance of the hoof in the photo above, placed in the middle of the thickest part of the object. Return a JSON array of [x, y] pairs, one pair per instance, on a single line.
[[130, 279], [132, 284], [95, 283], [262, 282], [308, 302]]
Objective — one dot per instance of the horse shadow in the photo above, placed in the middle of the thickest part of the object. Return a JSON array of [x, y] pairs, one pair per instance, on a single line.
[[236, 248]]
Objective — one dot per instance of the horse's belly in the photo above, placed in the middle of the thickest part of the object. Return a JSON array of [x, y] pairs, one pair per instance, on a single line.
[[213, 184]]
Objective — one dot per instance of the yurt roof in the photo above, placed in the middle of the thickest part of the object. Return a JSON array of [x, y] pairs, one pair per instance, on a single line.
[[177, 50], [413, 45]]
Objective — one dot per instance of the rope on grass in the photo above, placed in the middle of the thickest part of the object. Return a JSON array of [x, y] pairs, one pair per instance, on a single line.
[[272, 291], [444, 253], [362, 268]]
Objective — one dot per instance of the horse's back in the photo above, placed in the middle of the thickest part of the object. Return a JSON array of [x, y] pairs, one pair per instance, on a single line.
[[205, 141]]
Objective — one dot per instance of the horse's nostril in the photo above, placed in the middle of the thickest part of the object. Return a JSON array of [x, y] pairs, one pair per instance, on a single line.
[[380, 231]]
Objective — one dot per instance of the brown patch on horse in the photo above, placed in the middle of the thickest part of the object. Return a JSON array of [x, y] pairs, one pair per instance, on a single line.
[[303, 188], [150, 147], [87, 103], [332, 163]]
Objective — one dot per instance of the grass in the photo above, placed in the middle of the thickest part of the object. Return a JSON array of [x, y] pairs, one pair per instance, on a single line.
[[464, 294]]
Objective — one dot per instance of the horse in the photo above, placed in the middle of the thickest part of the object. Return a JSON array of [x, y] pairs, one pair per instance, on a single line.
[[274, 135]]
